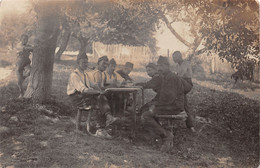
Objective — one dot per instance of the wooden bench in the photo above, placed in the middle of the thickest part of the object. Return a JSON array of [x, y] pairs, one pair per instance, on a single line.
[[170, 119]]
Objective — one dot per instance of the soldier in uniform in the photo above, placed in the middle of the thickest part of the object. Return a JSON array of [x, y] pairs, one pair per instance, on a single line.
[[124, 73], [170, 102], [112, 78], [81, 88], [23, 62], [154, 83]]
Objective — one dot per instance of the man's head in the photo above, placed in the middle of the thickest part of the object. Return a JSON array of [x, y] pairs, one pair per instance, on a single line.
[[128, 67], [82, 61], [112, 65], [24, 39], [163, 65], [177, 57], [102, 63], [151, 69]]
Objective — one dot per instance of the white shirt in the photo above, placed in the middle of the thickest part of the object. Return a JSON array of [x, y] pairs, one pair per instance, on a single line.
[[78, 81]]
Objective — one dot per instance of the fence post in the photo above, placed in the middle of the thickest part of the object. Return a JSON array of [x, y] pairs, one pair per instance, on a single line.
[[213, 62]]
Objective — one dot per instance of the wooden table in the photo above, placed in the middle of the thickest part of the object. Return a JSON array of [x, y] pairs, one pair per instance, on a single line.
[[126, 90]]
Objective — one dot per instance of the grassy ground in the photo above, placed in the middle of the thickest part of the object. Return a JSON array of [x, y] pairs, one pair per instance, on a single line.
[[43, 136]]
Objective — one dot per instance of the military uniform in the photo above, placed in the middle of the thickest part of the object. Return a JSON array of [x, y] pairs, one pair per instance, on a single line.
[[170, 101], [155, 84]]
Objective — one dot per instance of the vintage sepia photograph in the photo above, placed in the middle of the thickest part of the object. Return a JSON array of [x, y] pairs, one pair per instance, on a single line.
[[129, 84]]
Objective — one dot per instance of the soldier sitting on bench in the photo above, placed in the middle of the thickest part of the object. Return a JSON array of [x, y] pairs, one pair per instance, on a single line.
[[154, 83], [169, 102]]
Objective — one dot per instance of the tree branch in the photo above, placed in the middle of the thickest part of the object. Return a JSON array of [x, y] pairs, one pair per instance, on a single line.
[[168, 24]]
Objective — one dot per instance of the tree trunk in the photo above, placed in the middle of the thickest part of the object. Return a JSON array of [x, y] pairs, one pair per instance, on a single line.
[[65, 36], [40, 80], [83, 43]]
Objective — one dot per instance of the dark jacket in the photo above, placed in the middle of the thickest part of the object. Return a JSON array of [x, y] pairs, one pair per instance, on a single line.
[[171, 92], [154, 83]]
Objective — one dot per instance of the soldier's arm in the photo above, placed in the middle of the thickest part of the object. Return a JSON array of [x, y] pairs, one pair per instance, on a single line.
[[153, 83]]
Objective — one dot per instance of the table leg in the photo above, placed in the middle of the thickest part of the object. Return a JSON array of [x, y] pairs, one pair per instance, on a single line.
[[113, 104], [78, 121], [134, 112], [125, 100], [142, 96]]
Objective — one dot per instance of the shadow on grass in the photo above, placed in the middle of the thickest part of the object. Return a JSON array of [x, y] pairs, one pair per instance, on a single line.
[[4, 63]]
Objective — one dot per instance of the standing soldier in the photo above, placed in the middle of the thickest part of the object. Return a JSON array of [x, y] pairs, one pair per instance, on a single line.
[[23, 62], [184, 71]]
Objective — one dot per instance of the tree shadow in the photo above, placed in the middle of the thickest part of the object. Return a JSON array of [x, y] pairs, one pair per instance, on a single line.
[[4, 63]]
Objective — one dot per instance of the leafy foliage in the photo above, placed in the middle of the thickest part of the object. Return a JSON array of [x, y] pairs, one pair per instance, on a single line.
[[229, 28], [111, 23], [14, 25], [232, 32]]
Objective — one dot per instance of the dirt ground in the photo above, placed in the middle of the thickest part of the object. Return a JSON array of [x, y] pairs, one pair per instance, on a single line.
[[31, 135]]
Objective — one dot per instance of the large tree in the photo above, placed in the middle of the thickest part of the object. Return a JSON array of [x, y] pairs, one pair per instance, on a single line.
[[40, 80]]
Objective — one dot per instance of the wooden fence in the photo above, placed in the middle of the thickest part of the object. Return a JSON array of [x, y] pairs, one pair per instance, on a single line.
[[139, 55], [213, 64]]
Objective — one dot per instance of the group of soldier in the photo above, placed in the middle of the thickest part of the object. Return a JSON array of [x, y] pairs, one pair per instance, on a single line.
[[87, 87]]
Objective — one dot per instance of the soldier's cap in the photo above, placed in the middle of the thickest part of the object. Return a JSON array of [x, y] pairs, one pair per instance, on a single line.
[[82, 55], [129, 65], [112, 61], [163, 60], [103, 58], [151, 65]]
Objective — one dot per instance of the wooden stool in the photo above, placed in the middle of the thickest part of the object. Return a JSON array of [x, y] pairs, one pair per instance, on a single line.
[[78, 119]]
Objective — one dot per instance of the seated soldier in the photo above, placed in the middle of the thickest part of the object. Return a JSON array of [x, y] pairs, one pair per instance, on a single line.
[[80, 88], [23, 62], [184, 71], [124, 73], [97, 80], [98, 74], [170, 102], [154, 83], [112, 78]]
